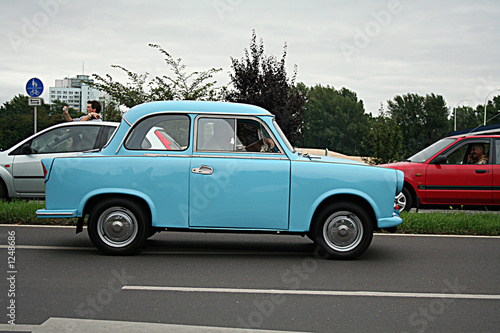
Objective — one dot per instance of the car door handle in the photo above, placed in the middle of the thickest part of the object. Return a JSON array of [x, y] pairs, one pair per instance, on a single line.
[[203, 170], [481, 171]]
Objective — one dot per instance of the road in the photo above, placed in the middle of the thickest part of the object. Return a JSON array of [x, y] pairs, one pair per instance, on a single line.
[[255, 282]]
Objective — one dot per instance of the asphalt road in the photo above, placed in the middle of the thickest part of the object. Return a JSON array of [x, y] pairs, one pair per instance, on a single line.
[[264, 282]]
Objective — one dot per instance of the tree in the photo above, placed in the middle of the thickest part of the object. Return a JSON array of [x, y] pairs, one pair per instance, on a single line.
[[470, 118], [262, 80], [139, 89], [111, 111], [384, 142], [334, 119], [423, 120], [16, 120]]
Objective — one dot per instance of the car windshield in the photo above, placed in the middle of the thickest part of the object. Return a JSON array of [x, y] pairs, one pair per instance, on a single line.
[[430, 151]]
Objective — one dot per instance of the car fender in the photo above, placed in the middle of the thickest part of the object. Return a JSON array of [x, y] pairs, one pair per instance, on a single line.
[[341, 192], [6, 179], [109, 192]]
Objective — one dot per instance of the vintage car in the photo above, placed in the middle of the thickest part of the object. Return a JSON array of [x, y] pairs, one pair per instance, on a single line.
[[448, 173], [21, 173], [227, 167]]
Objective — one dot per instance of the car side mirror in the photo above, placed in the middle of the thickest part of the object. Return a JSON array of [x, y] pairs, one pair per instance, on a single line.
[[26, 149], [441, 159]]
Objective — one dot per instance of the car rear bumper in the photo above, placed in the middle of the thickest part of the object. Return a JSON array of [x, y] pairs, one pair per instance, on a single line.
[[67, 213]]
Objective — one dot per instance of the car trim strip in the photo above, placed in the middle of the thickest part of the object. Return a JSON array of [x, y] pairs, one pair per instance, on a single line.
[[244, 157], [457, 188]]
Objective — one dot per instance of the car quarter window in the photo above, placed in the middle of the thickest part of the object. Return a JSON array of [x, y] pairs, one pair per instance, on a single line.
[[234, 135], [66, 139], [160, 132]]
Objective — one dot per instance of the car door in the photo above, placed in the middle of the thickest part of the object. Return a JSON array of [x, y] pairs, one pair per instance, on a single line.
[[456, 182], [235, 181], [496, 172], [61, 141]]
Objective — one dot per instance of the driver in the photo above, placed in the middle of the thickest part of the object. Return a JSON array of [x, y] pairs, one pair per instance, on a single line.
[[477, 155]]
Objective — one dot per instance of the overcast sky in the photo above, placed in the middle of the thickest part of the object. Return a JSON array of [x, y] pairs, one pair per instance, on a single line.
[[378, 49]]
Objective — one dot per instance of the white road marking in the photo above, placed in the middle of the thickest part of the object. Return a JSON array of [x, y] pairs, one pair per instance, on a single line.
[[42, 247], [314, 292], [164, 232]]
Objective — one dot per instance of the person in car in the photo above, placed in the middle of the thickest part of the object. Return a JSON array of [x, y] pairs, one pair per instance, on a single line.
[[477, 155]]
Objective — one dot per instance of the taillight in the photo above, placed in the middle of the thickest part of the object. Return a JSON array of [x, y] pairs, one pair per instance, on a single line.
[[44, 171]]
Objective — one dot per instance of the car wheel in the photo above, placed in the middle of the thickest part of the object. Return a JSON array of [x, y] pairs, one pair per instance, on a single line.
[[3, 191], [404, 200], [118, 227], [343, 231]]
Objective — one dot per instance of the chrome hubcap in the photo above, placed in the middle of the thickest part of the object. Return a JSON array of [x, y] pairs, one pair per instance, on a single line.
[[117, 226], [343, 231], [401, 201]]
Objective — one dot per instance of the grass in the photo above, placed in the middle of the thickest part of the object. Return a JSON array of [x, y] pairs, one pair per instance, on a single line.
[[453, 223], [24, 212]]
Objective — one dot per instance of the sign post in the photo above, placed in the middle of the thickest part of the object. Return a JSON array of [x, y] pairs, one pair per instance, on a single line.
[[34, 88]]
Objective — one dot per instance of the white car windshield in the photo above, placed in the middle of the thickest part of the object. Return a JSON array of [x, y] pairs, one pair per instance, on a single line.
[[430, 151]]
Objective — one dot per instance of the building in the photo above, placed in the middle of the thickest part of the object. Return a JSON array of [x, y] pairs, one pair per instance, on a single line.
[[75, 92]]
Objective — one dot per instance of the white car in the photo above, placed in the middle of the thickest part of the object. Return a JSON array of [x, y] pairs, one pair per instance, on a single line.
[[21, 173]]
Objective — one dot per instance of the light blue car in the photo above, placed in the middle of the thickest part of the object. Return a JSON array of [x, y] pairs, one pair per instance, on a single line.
[[219, 167]]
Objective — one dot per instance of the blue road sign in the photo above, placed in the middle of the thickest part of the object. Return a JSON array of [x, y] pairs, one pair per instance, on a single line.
[[34, 87]]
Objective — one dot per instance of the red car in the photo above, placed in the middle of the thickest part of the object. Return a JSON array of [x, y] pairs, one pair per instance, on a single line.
[[457, 170]]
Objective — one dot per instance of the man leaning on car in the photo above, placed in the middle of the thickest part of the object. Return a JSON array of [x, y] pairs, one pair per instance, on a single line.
[[93, 110]]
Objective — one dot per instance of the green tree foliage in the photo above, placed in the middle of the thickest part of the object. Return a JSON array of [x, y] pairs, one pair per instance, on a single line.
[[262, 80], [423, 120], [56, 109], [470, 118], [17, 123], [180, 86], [384, 142], [335, 119], [111, 111]]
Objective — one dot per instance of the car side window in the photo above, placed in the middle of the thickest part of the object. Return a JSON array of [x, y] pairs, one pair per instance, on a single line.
[[214, 134], [160, 132], [233, 135], [470, 153], [65, 140], [457, 156], [254, 137]]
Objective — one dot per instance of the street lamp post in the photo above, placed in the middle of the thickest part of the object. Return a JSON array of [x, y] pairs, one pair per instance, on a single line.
[[485, 105], [455, 126]]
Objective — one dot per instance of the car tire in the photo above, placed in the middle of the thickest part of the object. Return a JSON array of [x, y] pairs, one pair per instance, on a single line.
[[404, 200], [4, 195], [343, 230], [118, 227]]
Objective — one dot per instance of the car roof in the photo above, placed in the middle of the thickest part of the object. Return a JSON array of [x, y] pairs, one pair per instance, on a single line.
[[471, 136], [142, 110]]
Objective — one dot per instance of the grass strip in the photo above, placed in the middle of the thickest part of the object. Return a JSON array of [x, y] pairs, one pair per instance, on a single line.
[[19, 211], [452, 223]]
